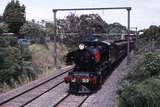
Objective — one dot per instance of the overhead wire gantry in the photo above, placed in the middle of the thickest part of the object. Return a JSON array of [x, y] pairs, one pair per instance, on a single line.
[[78, 9]]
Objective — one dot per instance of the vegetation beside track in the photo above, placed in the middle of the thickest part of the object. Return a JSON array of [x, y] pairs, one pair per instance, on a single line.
[[141, 86], [15, 64], [42, 56], [20, 65]]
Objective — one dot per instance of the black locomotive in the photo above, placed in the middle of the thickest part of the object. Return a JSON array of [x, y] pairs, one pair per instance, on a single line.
[[92, 62]]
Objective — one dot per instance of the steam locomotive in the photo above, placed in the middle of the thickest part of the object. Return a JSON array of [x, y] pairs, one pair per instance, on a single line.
[[92, 62]]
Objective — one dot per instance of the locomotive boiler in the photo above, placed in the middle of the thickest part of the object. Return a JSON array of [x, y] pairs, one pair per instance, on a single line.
[[92, 62]]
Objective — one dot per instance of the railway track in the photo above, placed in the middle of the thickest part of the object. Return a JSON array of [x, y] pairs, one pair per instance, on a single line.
[[30, 92], [47, 92], [77, 101], [58, 97]]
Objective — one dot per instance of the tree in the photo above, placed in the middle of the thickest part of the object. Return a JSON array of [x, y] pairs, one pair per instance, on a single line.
[[33, 31], [49, 27], [4, 27], [15, 61], [116, 28], [1, 18], [92, 23], [152, 33], [1, 31], [74, 28], [84, 24], [151, 37], [14, 16]]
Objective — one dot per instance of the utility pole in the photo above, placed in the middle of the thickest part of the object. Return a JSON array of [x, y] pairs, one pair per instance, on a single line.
[[136, 34], [136, 38], [128, 39], [55, 38]]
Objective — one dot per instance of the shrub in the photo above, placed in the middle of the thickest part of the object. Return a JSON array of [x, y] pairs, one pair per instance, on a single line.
[[15, 62], [152, 64], [141, 87], [1, 31], [8, 41], [33, 31], [144, 94], [146, 68]]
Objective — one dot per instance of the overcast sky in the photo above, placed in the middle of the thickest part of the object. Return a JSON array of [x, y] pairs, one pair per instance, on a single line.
[[143, 14]]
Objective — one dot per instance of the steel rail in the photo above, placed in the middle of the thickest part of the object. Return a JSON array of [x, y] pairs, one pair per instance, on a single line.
[[34, 87], [80, 105], [61, 100], [41, 94]]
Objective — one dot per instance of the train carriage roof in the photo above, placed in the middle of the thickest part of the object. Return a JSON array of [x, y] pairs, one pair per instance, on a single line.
[[99, 40], [95, 40], [106, 43]]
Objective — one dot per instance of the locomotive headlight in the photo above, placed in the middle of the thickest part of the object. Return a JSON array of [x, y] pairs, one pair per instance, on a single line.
[[85, 80], [81, 46], [73, 80]]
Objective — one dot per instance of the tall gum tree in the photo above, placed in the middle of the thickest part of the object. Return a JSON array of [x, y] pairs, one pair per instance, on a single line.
[[14, 16]]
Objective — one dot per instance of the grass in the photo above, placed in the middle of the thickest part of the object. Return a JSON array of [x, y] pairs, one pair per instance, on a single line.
[[24, 79], [43, 57], [42, 60]]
